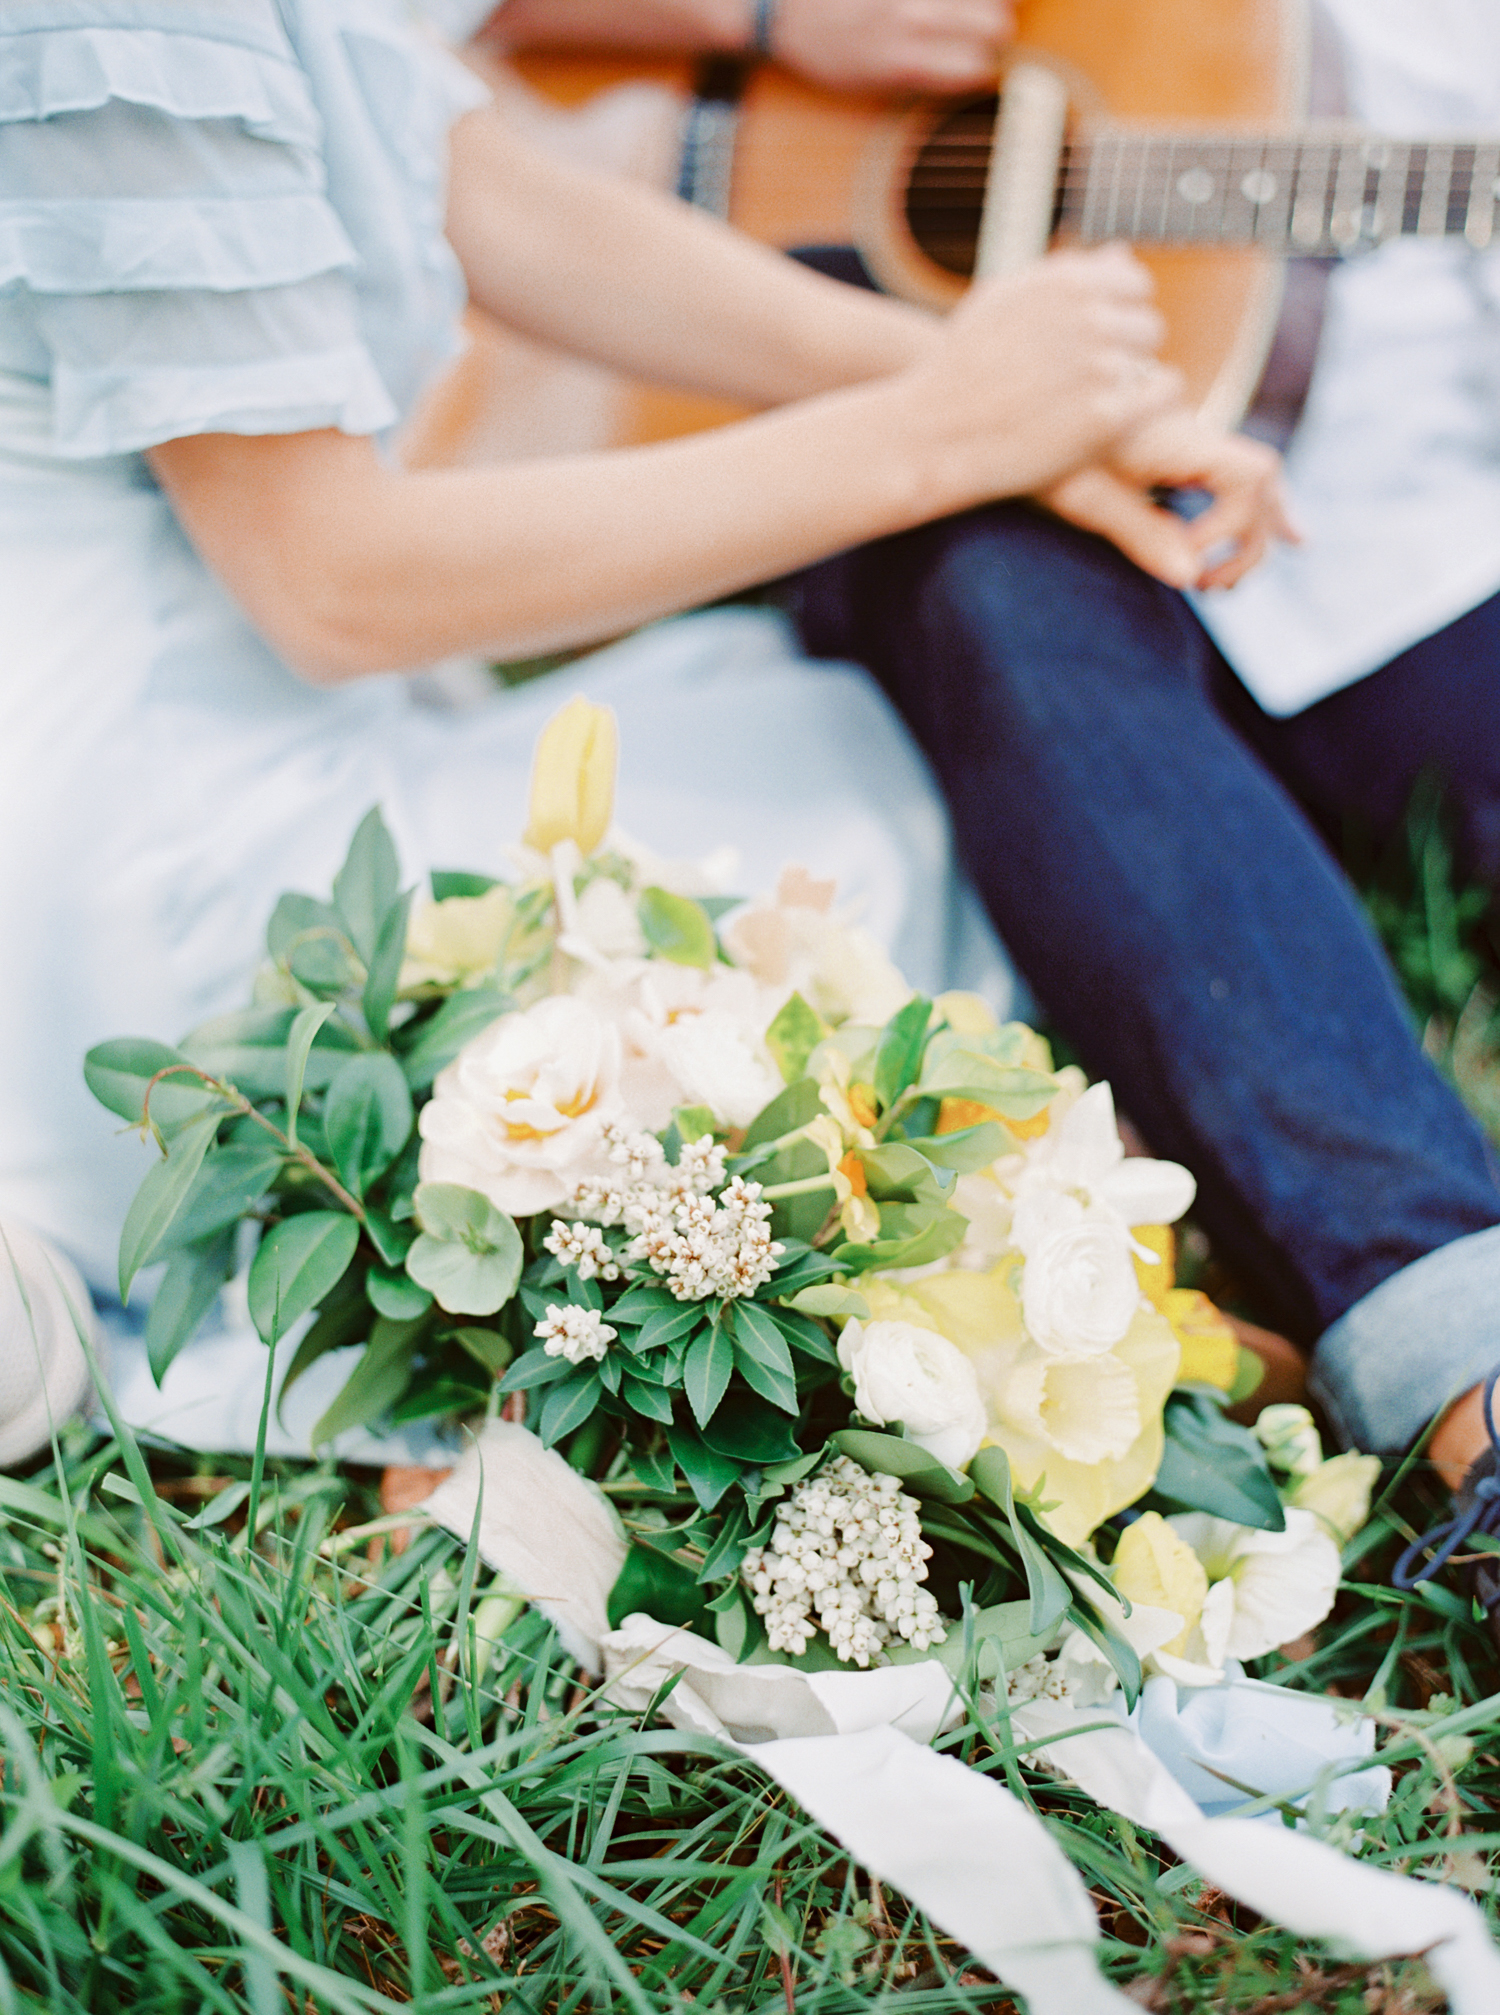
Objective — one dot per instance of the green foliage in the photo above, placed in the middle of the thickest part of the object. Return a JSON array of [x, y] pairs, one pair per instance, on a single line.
[[793, 1035], [1211, 1463], [469, 1254], [296, 1265], [677, 928]]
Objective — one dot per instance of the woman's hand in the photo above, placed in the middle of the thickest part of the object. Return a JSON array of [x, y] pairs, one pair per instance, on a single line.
[[911, 45], [1038, 373], [1177, 450]]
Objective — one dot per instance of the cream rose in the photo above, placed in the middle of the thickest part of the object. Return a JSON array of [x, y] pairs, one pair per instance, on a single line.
[[690, 1038], [906, 1373], [519, 1114], [1079, 1290]]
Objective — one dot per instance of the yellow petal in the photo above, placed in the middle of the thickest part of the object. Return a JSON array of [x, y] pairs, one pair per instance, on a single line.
[[1156, 1275], [1210, 1348], [966, 1013], [1153, 1566], [573, 778]]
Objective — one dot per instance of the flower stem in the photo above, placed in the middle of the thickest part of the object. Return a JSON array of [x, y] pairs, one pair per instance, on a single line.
[[233, 1096]]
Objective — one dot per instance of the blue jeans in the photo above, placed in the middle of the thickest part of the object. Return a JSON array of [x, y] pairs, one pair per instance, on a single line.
[[1133, 825]]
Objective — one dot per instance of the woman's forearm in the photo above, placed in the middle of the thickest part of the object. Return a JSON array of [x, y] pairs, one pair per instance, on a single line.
[[638, 281], [625, 24]]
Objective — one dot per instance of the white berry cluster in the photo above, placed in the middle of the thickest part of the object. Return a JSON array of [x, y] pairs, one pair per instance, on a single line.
[[577, 1334], [847, 1555], [700, 1244], [1040, 1678]]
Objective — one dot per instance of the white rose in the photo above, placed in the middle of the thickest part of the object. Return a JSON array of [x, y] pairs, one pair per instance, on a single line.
[[690, 1038], [1079, 1291], [519, 1114], [913, 1375]]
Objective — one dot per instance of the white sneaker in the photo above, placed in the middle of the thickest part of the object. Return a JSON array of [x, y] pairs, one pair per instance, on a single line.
[[44, 1375]]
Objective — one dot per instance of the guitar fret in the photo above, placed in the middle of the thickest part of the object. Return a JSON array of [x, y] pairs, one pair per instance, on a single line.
[[1390, 191], [1460, 190], [1432, 216], [1309, 225]]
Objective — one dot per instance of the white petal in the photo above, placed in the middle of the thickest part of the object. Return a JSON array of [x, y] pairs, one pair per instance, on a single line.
[[1282, 1589], [1088, 1140], [1147, 1192]]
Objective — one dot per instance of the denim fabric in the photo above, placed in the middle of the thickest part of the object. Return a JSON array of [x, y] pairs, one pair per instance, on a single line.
[[1163, 892]]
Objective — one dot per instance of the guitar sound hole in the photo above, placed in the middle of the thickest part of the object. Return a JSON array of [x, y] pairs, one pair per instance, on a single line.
[[945, 184]]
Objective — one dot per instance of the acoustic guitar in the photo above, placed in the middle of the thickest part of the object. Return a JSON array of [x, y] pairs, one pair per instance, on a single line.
[[1178, 125]]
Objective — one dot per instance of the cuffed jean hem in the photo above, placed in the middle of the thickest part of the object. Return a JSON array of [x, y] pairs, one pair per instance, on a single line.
[[1413, 1345]]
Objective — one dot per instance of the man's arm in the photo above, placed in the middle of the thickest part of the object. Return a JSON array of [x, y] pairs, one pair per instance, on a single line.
[[919, 45]]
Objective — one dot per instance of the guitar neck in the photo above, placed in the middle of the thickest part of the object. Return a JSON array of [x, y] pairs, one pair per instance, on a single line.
[[1311, 193]]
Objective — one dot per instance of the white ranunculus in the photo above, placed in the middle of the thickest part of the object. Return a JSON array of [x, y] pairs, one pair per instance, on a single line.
[[1079, 1170], [520, 1112], [690, 1037], [1283, 1583], [1079, 1290], [902, 1372]]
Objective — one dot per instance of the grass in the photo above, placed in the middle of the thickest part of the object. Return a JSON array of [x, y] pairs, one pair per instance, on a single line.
[[256, 1760]]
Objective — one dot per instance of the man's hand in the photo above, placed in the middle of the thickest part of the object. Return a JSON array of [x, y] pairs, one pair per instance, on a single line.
[[1177, 450], [917, 45]]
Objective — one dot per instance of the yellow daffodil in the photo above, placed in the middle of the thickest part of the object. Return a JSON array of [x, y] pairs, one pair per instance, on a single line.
[[1153, 1566], [1337, 1493], [573, 778], [1210, 1348]]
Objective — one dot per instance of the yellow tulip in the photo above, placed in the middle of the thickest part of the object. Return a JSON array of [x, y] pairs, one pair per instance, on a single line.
[[1153, 1566], [573, 778]]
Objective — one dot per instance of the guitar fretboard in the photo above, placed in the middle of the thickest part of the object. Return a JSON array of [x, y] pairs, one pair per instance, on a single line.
[[1309, 193]]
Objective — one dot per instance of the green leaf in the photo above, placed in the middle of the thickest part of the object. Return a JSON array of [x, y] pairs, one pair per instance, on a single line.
[[662, 1587], [118, 1072], [795, 1107], [1049, 1593], [248, 1050], [161, 1195], [396, 1294], [534, 1368], [898, 1055], [833, 1304], [709, 1474], [1116, 1649], [368, 1117], [188, 1290], [664, 1326], [487, 1347], [231, 1181], [376, 1382], [693, 1122], [752, 1432], [365, 886], [918, 1236], [677, 928], [567, 1406], [917, 1471], [1212, 1464], [469, 1254], [652, 1402], [310, 940], [706, 1371], [448, 882], [343, 1318], [439, 1039], [384, 979], [299, 1261], [1002, 1639], [956, 1068], [764, 1360], [793, 1036], [299, 1044], [897, 1173], [391, 1240], [808, 1337], [970, 1148]]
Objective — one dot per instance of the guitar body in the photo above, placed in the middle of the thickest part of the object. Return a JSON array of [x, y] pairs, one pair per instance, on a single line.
[[814, 167]]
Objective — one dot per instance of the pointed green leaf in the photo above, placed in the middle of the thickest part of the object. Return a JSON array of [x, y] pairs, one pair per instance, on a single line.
[[898, 1056], [161, 1195], [793, 1036], [1210, 1463], [968, 1149], [118, 1072], [188, 1290], [231, 1181], [709, 1474], [567, 1406], [376, 1382], [343, 1318], [365, 886], [651, 1401], [917, 1471], [833, 1304], [677, 928], [533, 1368], [1050, 1594], [310, 940], [706, 1371], [448, 882], [795, 1107], [367, 1118], [299, 1043], [299, 1261], [248, 1050], [384, 978], [439, 1039], [765, 1362], [487, 1347]]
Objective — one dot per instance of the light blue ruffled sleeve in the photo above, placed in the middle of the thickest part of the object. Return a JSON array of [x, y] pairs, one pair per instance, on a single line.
[[171, 234]]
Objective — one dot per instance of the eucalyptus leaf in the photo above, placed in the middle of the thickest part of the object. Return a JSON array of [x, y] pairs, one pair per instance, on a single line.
[[469, 1253], [367, 1117], [298, 1262]]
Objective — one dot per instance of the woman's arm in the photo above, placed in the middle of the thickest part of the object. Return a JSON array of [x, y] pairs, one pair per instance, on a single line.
[[348, 567], [648, 285], [916, 45]]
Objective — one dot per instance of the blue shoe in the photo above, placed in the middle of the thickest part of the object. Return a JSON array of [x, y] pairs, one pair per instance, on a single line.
[[1476, 1510]]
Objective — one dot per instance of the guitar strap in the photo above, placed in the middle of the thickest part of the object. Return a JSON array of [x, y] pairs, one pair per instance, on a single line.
[[1282, 392]]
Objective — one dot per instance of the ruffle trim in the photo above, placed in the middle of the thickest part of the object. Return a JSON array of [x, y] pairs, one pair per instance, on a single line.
[[47, 72], [99, 413], [223, 244]]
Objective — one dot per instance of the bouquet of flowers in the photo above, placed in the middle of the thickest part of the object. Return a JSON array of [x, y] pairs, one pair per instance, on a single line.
[[855, 1305]]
